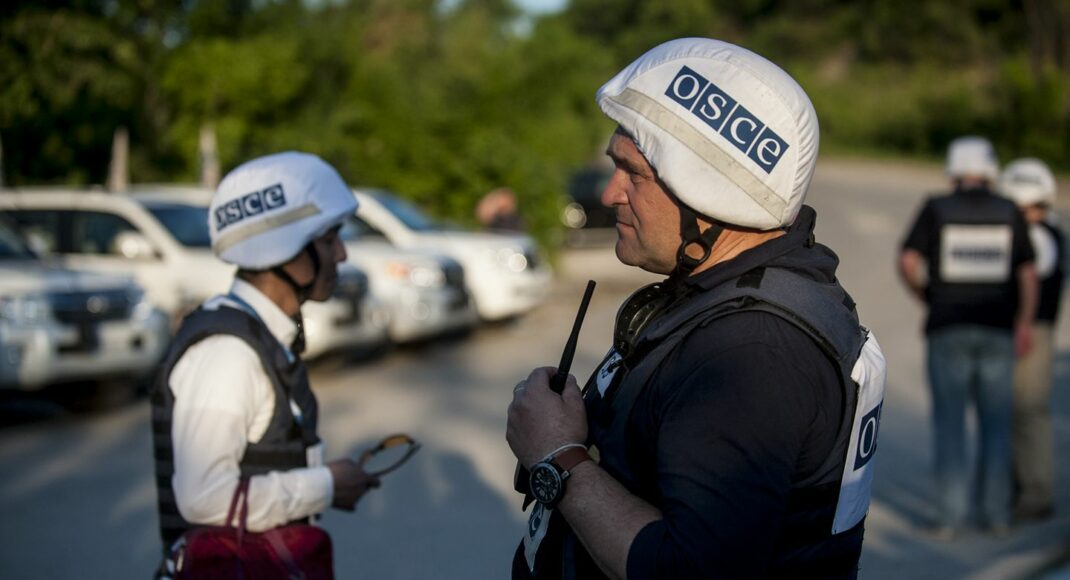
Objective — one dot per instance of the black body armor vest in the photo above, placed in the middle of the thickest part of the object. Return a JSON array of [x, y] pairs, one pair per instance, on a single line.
[[284, 444], [813, 524], [951, 281]]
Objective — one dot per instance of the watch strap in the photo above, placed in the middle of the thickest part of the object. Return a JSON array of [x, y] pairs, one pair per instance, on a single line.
[[568, 459]]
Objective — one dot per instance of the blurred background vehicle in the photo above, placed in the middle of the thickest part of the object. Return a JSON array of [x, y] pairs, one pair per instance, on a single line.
[[425, 292], [588, 222], [504, 273], [160, 237], [584, 208], [352, 318], [59, 325]]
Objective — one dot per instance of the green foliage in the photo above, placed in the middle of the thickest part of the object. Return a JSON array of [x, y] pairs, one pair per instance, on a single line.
[[895, 108], [62, 69], [444, 101], [242, 88], [1035, 119]]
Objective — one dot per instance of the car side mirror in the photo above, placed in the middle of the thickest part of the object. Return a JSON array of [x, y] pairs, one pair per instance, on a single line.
[[133, 246], [38, 244]]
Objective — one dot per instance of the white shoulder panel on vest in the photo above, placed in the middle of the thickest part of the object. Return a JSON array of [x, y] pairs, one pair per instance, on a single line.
[[1046, 249], [856, 486]]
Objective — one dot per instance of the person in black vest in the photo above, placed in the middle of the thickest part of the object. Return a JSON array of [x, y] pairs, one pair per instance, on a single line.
[[1031, 185], [728, 432], [232, 400], [980, 287]]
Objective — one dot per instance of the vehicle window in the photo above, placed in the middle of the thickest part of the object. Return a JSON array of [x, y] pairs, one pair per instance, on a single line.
[[39, 228], [409, 214], [95, 232], [11, 244], [356, 228], [187, 223]]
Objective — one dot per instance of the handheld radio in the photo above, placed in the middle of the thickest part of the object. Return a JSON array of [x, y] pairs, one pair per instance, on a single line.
[[557, 382]]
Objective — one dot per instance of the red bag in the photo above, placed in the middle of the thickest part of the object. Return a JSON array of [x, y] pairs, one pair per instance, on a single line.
[[292, 552]]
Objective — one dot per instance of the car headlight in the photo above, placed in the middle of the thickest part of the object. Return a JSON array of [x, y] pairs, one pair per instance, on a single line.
[[140, 306], [574, 216], [25, 310], [510, 259], [417, 274]]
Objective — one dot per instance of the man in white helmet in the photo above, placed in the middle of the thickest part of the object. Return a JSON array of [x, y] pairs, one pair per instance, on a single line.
[[1031, 185], [967, 256], [232, 400], [729, 431]]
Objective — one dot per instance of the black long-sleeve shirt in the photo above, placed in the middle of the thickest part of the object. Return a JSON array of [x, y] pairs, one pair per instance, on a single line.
[[745, 410]]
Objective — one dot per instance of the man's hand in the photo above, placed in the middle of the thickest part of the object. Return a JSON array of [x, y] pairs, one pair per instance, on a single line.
[[540, 420], [912, 272], [1023, 338], [350, 483]]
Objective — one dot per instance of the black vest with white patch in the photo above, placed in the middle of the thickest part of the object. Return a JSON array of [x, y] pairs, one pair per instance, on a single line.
[[285, 442], [826, 313], [974, 260]]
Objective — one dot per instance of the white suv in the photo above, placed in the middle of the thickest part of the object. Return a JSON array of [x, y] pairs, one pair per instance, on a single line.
[[161, 239], [425, 292], [58, 325], [503, 272]]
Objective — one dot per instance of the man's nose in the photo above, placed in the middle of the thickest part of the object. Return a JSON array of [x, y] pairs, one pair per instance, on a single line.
[[613, 194], [340, 253]]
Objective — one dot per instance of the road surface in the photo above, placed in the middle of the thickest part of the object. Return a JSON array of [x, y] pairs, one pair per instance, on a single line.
[[76, 489]]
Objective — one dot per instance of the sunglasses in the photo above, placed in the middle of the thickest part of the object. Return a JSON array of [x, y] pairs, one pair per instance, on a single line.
[[391, 453]]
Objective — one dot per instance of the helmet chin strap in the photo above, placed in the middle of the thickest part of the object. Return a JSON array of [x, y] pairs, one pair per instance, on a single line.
[[301, 292], [690, 235]]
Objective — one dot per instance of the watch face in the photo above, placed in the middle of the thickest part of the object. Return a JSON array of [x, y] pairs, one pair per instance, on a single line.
[[545, 483]]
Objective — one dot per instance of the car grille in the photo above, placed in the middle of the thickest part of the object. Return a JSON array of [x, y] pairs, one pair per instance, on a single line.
[[532, 257], [454, 275], [352, 288], [85, 307]]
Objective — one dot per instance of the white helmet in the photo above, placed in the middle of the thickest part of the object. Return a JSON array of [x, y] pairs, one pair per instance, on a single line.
[[1028, 182], [972, 157], [268, 209], [732, 135]]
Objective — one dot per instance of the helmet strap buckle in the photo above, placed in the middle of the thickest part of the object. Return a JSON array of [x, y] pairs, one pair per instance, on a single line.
[[690, 235]]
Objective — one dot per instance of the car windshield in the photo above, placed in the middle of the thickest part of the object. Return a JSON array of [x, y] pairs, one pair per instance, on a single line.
[[187, 223], [356, 228], [11, 245], [410, 215]]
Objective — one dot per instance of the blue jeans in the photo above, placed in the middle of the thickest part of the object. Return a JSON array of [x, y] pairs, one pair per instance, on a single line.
[[968, 362]]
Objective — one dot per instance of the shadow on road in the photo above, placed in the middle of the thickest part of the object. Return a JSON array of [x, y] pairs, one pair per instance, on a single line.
[[904, 500], [67, 401], [434, 518]]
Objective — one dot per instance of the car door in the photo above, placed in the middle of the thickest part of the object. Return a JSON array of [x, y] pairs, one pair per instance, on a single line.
[[92, 239]]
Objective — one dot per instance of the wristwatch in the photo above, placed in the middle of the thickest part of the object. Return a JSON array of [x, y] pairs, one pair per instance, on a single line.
[[548, 477]]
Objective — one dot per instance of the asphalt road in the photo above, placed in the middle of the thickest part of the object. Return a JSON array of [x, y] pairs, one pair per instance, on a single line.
[[76, 488]]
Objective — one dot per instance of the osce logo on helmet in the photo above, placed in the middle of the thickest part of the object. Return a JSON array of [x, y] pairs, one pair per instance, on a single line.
[[248, 205], [728, 118]]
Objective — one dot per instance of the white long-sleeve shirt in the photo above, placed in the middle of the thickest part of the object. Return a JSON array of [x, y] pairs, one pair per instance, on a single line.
[[223, 401]]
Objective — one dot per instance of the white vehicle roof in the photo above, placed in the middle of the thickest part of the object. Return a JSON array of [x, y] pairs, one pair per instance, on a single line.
[[377, 248], [190, 194], [21, 272], [199, 273], [412, 228], [89, 200]]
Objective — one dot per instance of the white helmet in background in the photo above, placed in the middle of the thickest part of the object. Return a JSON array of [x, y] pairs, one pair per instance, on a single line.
[[1028, 182], [266, 211], [972, 157], [731, 134]]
